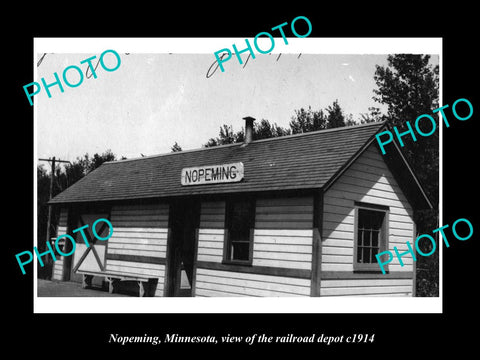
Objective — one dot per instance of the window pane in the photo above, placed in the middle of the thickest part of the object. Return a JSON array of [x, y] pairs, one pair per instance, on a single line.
[[240, 221], [367, 234], [241, 214], [360, 237], [359, 254], [240, 251], [374, 252], [366, 255], [375, 238], [369, 225]]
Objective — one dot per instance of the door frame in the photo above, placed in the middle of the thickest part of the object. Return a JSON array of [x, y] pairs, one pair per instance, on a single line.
[[177, 221], [74, 216]]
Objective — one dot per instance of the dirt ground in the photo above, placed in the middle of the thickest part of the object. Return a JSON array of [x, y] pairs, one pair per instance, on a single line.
[[54, 288]]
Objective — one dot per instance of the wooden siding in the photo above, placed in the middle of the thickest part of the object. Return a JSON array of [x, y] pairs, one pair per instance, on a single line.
[[211, 234], [283, 248], [369, 287], [210, 245], [144, 215], [283, 232], [228, 283], [282, 239], [284, 213], [58, 266], [139, 241], [367, 180], [139, 232], [212, 215]]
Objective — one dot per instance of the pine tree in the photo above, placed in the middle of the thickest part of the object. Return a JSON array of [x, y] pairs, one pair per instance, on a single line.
[[409, 88]]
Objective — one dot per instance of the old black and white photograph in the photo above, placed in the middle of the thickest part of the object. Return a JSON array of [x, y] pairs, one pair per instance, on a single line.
[[215, 179], [281, 174]]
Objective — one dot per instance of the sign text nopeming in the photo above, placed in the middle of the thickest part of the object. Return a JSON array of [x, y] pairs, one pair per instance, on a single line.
[[212, 174]]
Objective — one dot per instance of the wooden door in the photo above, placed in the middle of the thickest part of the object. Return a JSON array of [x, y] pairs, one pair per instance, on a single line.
[[92, 257], [185, 215]]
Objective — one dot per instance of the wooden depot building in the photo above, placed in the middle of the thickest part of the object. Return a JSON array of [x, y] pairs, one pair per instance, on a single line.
[[299, 215]]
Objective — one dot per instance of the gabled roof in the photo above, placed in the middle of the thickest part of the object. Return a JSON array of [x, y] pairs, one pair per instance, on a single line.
[[302, 161]]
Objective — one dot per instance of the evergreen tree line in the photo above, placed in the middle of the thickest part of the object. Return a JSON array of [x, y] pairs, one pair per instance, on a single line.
[[304, 120]]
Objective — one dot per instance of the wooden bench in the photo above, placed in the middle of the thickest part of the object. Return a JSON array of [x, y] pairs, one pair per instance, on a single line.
[[114, 278]]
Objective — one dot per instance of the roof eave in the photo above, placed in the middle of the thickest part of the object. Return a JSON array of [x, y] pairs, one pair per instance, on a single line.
[[424, 202]]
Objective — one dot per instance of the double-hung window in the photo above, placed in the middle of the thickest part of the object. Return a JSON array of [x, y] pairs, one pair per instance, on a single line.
[[239, 223], [371, 235]]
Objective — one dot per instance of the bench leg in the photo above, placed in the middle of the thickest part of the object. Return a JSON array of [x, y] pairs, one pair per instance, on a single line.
[[141, 289], [111, 284], [86, 281]]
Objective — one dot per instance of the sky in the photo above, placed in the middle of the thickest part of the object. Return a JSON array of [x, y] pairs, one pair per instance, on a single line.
[[157, 98]]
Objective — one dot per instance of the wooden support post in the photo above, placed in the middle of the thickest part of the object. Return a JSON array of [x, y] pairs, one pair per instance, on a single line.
[[111, 284], [49, 219], [317, 243], [169, 262], [195, 256], [86, 281]]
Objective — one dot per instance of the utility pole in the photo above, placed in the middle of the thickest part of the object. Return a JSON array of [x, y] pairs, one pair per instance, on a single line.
[[49, 219]]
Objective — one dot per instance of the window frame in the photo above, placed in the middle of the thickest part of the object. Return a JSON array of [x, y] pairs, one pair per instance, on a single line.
[[227, 241], [383, 237]]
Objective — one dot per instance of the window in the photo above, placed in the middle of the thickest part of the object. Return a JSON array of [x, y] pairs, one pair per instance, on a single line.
[[240, 221], [371, 235]]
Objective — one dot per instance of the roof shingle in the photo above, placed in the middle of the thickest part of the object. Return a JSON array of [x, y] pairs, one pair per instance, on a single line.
[[301, 161]]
